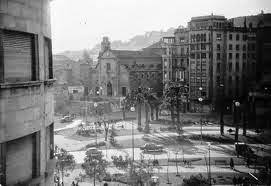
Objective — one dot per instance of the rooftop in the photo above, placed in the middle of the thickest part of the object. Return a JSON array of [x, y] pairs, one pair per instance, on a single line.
[[208, 17]]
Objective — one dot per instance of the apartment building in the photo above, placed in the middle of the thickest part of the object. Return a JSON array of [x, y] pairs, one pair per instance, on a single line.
[[26, 94], [214, 57]]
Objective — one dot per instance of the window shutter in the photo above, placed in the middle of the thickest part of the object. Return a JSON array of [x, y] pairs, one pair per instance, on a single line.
[[17, 55]]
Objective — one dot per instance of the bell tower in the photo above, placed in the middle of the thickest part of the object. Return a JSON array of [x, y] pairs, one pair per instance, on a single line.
[[105, 45]]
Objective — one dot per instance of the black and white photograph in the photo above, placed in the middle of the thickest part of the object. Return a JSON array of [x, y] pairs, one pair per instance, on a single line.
[[135, 92]]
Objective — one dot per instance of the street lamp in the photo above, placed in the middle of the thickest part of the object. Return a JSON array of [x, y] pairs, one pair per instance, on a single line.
[[236, 118], [222, 109], [178, 175], [200, 100], [209, 149], [133, 154], [95, 106]]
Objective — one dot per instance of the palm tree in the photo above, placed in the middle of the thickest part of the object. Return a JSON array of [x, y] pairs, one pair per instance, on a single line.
[[172, 96]]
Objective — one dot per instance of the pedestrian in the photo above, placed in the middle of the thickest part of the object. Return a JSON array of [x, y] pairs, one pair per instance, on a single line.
[[234, 180], [77, 184], [73, 184], [231, 163]]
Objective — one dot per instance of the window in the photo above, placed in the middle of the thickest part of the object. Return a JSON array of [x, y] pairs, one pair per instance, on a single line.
[[244, 48], [218, 67], [192, 47], [237, 47], [218, 56], [217, 80], [237, 37], [218, 37], [218, 47], [203, 55], [253, 46], [192, 56], [244, 37], [108, 66], [203, 46], [230, 67], [230, 55], [123, 91], [244, 56], [237, 56], [198, 56], [182, 51], [230, 36], [74, 91], [244, 67], [230, 80], [48, 60], [230, 46], [19, 60], [237, 67]]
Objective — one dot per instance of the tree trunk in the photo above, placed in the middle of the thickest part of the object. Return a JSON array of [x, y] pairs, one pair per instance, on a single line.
[[152, 117], [139, 115], [222, 117], [106, 134], [172, 114], [147, 117], [94, 180], [178, 116], [236, 123], [245, 117], [146, 113], [123, 114], [157, 113]]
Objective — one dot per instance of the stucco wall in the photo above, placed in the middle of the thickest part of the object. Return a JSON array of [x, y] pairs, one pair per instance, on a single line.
[[26, 107]]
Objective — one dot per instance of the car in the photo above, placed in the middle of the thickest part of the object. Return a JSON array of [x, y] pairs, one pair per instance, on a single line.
[[148, 147], [66, 119], [94, 151]]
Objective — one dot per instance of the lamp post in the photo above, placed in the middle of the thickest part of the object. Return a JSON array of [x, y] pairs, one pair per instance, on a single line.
[[222, 109], [209, 149], [236, 119], [95, 106], [133, 152], [178, 175], [200, 100]]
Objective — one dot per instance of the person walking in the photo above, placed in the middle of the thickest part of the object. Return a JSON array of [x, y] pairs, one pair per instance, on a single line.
[[231, 163], [73, 184]]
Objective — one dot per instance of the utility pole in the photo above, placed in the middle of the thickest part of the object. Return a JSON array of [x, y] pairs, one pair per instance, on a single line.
[[210, 178]]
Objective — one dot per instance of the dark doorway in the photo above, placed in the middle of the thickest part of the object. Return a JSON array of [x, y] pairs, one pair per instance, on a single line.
[[123, 90], [109, 89]]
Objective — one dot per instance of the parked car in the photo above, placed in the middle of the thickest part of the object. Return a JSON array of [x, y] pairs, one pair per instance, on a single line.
[[66, 119], [243, 149], [151, 147], [94, 151]]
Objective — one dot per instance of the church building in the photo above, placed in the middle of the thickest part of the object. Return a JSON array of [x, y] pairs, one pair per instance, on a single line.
[[120, 71]]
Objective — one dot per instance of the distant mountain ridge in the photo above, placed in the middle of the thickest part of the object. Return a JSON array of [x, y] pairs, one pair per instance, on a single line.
[[135, 43]]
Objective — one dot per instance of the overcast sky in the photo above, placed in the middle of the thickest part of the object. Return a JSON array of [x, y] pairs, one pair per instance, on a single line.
[[80, 24]]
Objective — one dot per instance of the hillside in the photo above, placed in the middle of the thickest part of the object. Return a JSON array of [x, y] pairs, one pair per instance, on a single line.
[[136, 43]]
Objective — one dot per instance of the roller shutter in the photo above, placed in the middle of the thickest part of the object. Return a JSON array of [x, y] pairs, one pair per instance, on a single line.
[[17, 55]]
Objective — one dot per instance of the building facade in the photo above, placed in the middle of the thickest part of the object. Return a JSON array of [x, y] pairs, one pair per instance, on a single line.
[[120, 71], [215, 56], [26, 94]]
